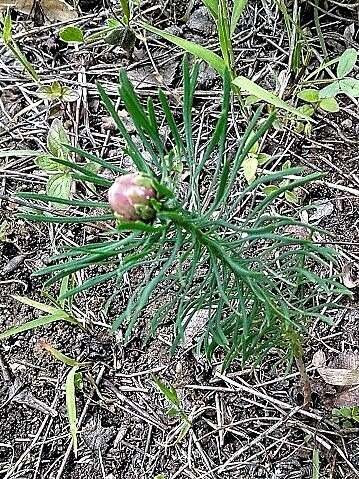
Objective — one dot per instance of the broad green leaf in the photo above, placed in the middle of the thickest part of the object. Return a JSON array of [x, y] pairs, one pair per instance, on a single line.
[[330, 90], [347, 62], [253, 89], [329, 104], [238, 9], [213, 60], [71, 34], [69, 95], [71, 406], [310, 95], [349, 86], [250, 165], [59, 186], [57, 136], [46, 164], [35, 323]]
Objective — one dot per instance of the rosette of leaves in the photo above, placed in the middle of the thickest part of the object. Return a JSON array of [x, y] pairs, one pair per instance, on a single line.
[[212, 246]]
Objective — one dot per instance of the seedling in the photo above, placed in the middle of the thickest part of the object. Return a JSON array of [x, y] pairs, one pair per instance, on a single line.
[[346, 415], [191, 245], [175, 410]]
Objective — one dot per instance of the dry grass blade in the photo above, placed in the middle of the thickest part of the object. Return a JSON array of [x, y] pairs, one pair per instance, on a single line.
[[71, 406]]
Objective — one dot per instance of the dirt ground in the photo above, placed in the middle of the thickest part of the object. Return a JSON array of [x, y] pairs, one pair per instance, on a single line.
[[245, 423]]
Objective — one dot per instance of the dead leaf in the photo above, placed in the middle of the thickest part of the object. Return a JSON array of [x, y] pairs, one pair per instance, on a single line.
[[323, 208], [348, 278], [53, 10], [344, 371]]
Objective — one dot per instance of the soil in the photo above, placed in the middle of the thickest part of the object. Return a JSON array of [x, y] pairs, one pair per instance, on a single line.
[[246, 423]]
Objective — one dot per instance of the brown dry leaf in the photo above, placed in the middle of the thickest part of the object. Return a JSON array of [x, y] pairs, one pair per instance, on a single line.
[[53, 10], [343, 372]]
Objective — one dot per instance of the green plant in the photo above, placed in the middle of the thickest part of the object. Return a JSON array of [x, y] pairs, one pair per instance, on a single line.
[[74, 377], [257, 281], [9, 42], [116, 31], [324, 97], [175, 410], [346, 415], [226, 24]]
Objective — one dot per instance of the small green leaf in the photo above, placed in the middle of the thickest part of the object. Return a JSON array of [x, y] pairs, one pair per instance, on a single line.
[[46, 164], [250, 165], [306, 109], [310, 95], [330, 90], [286, 165], [251, 100], [262, 158], [269, 189], [347, 62], [56, 137], [69, 95], [253, 89], [291, 197], [349, 86], [7, 28], [329, 104], [71, 406], [59, 186], [71, 34]]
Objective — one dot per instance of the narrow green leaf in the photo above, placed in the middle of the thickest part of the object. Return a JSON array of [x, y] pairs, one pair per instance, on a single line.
[[316, 464], [53, 199], [59, 356], [168, 391], [23, 60], [35, 323], [214, 60], [212, 6], [71, 406], [238, 9], [65, 219], [37, 305], [126, 9], [96, 159], [253, 89], [347, 61]]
